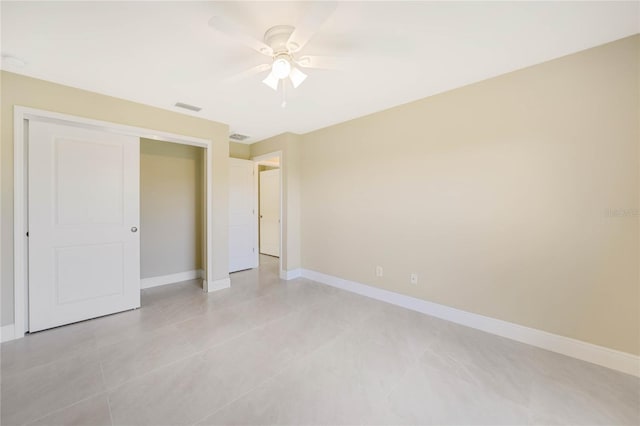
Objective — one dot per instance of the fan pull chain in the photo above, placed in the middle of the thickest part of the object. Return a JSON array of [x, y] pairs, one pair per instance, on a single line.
[[284, 94]]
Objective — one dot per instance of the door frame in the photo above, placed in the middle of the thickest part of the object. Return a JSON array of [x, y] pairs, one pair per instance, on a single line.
[[20, 193], [258, 160]]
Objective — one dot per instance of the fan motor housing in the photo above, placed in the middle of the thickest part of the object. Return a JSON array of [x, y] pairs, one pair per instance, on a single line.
[[277, 37]]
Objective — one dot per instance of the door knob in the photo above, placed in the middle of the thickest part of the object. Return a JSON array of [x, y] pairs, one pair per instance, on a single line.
[[134, 229]]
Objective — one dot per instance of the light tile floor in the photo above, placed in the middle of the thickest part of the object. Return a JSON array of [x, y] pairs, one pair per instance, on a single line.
[[268, 351]]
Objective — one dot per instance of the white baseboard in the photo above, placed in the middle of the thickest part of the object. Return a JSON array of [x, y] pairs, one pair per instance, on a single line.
[[217, 285], [171, 278], [610, 358], [291, 274], [7, 332]]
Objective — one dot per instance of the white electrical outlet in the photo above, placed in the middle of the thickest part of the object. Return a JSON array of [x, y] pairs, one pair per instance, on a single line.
[[414, 278], [379, 271]]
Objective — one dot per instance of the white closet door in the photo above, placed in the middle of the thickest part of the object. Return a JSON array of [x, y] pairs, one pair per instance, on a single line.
[[84, 248], [242, 222], [270, 212]]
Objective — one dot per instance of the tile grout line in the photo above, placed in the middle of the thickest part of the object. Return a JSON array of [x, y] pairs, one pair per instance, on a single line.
[[72, 354], [93, 395], [396, 385], [95, 347], [197, 352], [108, 391], [78, 401], [98, 347], [104, 381], [68, 405], [224, 308], [109, 407], [200, 352], [283, 369]]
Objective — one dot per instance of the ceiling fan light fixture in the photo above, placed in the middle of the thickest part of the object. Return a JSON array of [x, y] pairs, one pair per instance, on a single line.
[[297, 77], [271, 80], [281, 68]]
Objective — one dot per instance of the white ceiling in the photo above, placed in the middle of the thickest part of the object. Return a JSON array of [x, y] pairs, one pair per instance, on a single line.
[[158, 53]]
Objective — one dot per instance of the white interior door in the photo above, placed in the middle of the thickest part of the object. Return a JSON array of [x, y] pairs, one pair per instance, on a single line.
[[84, 251], [270, 212], [242, 233]]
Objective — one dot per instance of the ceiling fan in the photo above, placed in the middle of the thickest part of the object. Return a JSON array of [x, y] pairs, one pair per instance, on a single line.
[[282, 43]]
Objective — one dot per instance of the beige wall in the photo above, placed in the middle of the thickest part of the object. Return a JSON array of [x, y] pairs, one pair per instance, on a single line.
[[499, 195], [496, 194], [25, 91], [239, 150], [289, 145], [171, 208]]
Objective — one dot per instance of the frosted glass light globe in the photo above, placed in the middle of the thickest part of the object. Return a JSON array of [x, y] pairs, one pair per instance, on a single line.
[[281, 68]]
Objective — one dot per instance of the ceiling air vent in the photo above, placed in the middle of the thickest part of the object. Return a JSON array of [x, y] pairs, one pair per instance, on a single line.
[[189, 107], [238, 137]]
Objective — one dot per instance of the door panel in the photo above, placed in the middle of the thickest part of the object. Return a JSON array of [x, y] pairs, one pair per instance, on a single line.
[[242, 233], [84, 259], [87, 192], [270, 212], [101, 262]]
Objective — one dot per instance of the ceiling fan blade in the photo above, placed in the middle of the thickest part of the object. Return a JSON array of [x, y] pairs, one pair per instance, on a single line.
[[297, 77], [238, 33], [272, 81], [247, 73], [310, 24], [321, 62]]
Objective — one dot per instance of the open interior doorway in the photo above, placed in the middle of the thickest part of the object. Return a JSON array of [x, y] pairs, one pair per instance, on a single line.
[[269, 187], [269, 210]]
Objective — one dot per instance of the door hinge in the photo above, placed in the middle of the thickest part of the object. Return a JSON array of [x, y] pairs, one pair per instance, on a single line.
[[254, 249], [27, 234]]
